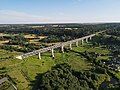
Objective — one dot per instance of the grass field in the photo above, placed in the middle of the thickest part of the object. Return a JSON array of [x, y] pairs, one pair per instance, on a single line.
[[6, 55], [98, 50], [25, 71]]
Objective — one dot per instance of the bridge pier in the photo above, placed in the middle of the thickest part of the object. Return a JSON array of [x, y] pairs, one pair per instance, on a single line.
[[53, 56], [39, 55], [90, 38], [70, 46], [82, 41], [62, 49], [77, 44], [86, 40]]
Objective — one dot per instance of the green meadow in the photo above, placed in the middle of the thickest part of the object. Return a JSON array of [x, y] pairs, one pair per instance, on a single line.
[[25, 71]]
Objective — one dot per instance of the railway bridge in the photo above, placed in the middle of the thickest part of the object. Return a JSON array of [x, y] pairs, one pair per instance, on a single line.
[[59, 45]]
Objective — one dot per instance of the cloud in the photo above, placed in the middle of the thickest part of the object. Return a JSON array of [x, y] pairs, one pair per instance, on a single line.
[[15, 17], [9, 16]]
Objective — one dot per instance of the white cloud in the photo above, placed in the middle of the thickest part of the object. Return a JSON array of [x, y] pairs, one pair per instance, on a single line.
[[9, 16]]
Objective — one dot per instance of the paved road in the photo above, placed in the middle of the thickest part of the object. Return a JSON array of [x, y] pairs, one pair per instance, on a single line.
[[3, 80]]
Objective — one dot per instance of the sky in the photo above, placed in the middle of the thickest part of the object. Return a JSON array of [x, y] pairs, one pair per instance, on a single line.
[[59, 11]]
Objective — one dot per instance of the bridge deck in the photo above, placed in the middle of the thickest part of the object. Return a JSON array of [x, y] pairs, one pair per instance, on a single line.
[[55, 46]]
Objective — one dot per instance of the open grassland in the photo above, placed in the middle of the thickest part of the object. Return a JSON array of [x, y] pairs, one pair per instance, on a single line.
[[19, 78], [87, 47], [25, 71], [7, 55]]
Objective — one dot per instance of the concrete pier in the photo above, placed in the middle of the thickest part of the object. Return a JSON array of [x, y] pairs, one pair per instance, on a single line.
[[86, 40], [39, 55], [77, 44], [70, 46], [82, 41], [52, 50], [62, 49], [90, 38]]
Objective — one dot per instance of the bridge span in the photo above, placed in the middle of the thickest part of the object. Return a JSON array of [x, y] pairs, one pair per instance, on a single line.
[[59, 45]]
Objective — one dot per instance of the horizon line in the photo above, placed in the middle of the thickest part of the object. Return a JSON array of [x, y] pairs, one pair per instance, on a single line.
[[66, 23]]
